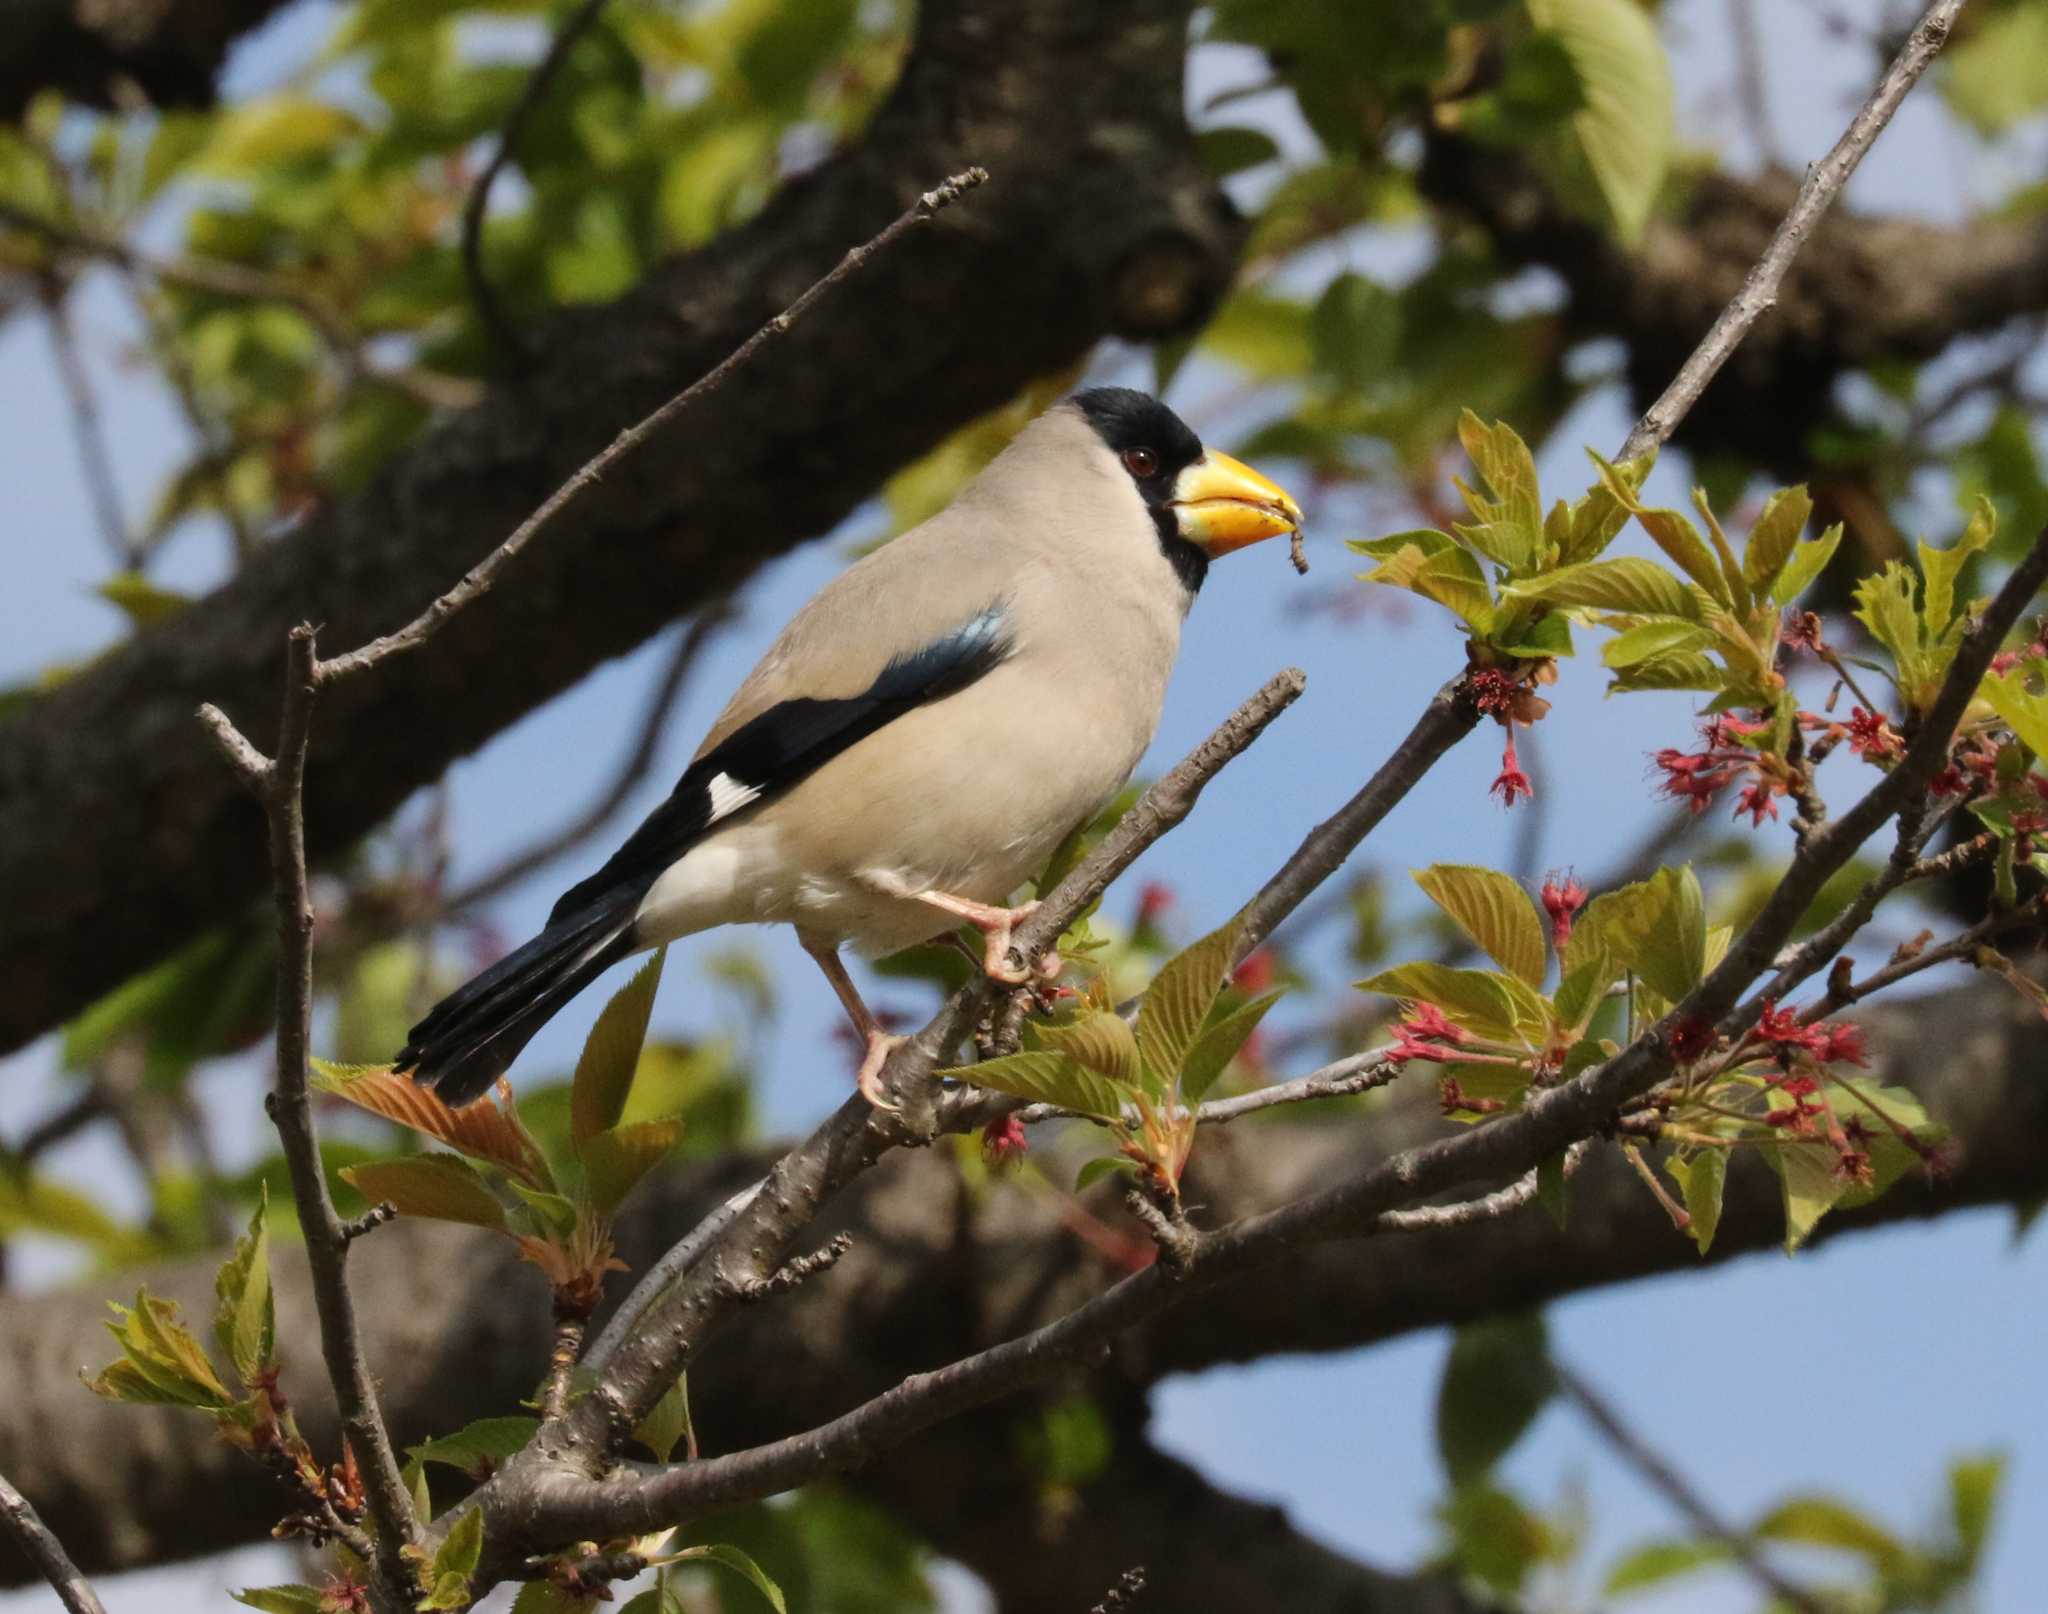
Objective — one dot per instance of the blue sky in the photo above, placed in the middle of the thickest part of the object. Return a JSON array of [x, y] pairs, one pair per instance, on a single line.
[[1918, 1343]]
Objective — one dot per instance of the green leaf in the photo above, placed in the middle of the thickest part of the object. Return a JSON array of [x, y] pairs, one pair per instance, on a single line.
[[1098, 1038], [1650, 640], [1806, 1170], [1545, 636], [1218, 1044], [1973, 1486], [1432, 565], [1672, 955], [1046, 1078], [1884, 605], [1674, 669], [461, 1550], [1655, 1562], [1509, 525], [1477, 1000], [611, 1053], [1997, 76], [614, 1161], [1808, 561], [2024, 712], [1356, 332], [1940, 567], [1625, 128], [739, 1563], [280, 1599], [1497, 1380], [554, 1214], [32, 1203], [245, 1315], [667, 1425], [545, 1597], [1230, 151], [1494, 911], [161, 1360], [1104, 1165], [1624, 583], [140, 599], [1821, 1521], [1774, 537], [1701, 1178], [1265, 336], [439, 1187], [1171, 1013], [478, 1448], [269, 131]]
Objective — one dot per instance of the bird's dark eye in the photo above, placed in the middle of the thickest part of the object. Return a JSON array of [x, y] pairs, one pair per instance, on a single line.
[[1140, 462]]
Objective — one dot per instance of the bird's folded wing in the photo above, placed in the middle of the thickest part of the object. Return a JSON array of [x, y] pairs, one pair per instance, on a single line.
[[780, 744]]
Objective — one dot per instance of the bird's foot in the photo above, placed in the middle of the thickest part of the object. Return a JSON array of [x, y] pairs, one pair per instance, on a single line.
[[995, 927], [881, 1044]]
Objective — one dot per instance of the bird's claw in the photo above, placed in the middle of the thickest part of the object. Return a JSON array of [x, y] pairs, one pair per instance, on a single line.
[[881, 1044]]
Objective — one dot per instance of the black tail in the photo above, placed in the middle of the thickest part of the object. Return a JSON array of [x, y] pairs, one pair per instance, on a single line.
[[473, 1035]]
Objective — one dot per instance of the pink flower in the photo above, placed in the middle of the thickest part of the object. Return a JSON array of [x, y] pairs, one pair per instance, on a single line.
[[1003, 1143], [1872, 738], [1512, 782], [1562, 897]]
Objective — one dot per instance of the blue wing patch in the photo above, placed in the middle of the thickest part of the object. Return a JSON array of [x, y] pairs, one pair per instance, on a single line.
[[769, 753]]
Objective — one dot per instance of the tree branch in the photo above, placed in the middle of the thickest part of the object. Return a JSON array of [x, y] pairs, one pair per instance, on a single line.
[[1823, 182], [47, 1553]]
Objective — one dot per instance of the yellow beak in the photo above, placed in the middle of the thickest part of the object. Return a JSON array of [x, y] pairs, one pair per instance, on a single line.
[[1221, 504]]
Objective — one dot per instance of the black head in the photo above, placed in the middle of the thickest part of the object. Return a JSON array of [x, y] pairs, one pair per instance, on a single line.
[[1154, 445]]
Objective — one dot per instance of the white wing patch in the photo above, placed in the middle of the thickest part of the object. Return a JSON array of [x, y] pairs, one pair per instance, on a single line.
[[728, 795]]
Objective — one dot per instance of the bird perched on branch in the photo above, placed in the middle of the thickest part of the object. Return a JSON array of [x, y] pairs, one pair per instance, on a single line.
[[920, 738]]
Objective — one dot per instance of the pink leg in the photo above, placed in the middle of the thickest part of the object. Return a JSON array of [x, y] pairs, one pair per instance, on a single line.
[[995, 924], [880, 1044]]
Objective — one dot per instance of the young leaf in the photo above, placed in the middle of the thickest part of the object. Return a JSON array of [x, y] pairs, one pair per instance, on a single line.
[[545, 1597], [438, 1187], [2024, 712], [1941, 567], [668, 1424], [1098, 1038], [161, 1361], [1973, 1484], [1724, 555], [1808, 562], [1624, 583], [483, 1130], [615, 1160], [1651, 639], [1672, 952], [1821, 1521], [245, 1314], [1431, 564], [611, 1053], [1494, 911], [1046, 1078], [1774, 537], [478, 1448], [1673, 669], [1218, 1045], [448, 1577], [741, 1564], [1811, 1187], [1701, 1179], [1884, 605], [1673, 534], [1477, 1000], [1171, 1013], [1655, 1562], [281, 1599], [1104, 1165], [1496, 1381]]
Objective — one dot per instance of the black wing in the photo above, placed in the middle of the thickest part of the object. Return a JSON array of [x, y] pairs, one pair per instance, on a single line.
[[771, 752]]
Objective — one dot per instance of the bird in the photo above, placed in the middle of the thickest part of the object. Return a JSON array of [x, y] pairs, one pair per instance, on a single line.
[[921, 736]]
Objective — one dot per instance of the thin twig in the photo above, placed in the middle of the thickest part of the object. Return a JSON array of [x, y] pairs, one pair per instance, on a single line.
[[1486, 1208], [679, 1259], [1752, 81], [634, 768], [478, 579], [489, 309], [1823, 182], [279, 785], [41, 1547], [94, 460], [1959, 949], [222, 279], [1679, 1491]]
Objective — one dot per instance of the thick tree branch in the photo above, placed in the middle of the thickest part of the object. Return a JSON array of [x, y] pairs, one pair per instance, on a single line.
[[119, 835], [1823, 183], [102, 51]]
